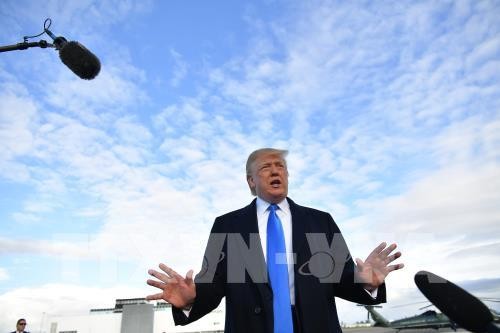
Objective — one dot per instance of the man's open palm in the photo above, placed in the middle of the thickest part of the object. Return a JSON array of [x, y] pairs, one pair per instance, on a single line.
[[373, 271], [177, 290]]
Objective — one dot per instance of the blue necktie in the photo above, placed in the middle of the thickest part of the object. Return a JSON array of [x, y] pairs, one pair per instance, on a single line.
[[278, 273]]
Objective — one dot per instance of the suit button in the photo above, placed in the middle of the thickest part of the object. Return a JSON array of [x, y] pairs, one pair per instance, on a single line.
[[257, 310]]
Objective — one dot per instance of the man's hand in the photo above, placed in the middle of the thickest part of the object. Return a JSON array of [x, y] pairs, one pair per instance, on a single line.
[[177, 290], [375, 268]]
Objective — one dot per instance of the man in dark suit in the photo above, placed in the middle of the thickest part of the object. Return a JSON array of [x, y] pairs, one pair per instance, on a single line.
[[20, 326], [279, 265]]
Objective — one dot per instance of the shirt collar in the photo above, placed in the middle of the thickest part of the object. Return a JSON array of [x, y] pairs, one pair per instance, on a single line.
[[263, 205]]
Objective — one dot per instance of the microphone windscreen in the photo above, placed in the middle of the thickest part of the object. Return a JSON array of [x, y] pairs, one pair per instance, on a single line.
[[460, 306], [80, 60]]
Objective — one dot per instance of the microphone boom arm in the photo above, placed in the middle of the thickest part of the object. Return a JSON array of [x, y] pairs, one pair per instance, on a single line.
[[24, 45]]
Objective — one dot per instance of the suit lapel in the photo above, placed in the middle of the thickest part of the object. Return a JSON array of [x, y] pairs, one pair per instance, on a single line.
[[299, 229], [251, 226], [299, 244]]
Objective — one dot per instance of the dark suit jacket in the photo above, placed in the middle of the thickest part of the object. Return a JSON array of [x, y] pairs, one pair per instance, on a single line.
[[249, 303]]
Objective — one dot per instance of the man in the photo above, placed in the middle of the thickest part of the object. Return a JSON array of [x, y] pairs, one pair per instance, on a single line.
[[279, 265], [20, 326]]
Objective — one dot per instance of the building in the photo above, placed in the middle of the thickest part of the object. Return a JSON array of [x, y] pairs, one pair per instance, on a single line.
[[134, 315]]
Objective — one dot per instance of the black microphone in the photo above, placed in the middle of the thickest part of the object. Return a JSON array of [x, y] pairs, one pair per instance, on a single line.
[[460, 306], [76, 57], [80, 60]]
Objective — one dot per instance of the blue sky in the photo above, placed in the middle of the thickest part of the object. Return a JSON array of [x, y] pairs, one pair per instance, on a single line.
[[390, 111]]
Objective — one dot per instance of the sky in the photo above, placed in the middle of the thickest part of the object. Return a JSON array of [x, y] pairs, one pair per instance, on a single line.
[[390, 111]]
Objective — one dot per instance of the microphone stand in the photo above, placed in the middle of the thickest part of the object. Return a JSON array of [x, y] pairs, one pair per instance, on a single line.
[[24, 45]]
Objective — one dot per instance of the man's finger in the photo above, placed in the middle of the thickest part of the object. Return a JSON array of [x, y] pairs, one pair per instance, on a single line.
[[189, 277], [360, 264], [394, 267], [393, 257], [156, 284], [388, 250], [378, 249], [170, 271], [163, 277], [154, 297]]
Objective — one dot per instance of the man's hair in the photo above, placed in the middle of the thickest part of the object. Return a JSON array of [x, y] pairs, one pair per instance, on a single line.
[[263, 151], [19, 320]]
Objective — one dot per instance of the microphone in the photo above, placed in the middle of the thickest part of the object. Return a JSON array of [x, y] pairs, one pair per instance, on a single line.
[[76, 57], [457, 304], [80, 60]]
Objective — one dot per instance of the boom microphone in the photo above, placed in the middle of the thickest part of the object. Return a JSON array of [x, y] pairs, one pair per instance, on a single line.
[[77, 57], [74, 55], [457, 304], [80, 60]]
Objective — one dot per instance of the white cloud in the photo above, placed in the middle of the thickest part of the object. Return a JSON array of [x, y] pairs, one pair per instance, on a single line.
[[18, 118], [94, 102], [4, 275], [180, 68], [74, 18], [70, 244], [132, 132], [444, 213]]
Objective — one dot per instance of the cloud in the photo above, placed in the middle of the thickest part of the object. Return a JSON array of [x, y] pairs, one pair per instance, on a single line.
[[18, 119], [56, 247], [73, 18], [481, 286], [93, 102], [443, 219], [4, 275], [180, 68]]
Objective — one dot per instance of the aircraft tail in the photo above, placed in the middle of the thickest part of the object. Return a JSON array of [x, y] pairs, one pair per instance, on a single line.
[[377, 317]]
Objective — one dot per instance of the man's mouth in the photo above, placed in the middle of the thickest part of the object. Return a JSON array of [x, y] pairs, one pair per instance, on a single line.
[[276, 183]]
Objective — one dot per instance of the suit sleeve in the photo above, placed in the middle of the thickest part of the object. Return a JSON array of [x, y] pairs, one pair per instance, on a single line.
[[210, 281]]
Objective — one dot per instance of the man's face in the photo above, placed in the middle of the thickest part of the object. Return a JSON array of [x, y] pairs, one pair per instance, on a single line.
[[269, 178], [21, 326]]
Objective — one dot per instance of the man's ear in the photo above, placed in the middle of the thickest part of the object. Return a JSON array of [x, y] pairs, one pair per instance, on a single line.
[[250, 181]]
